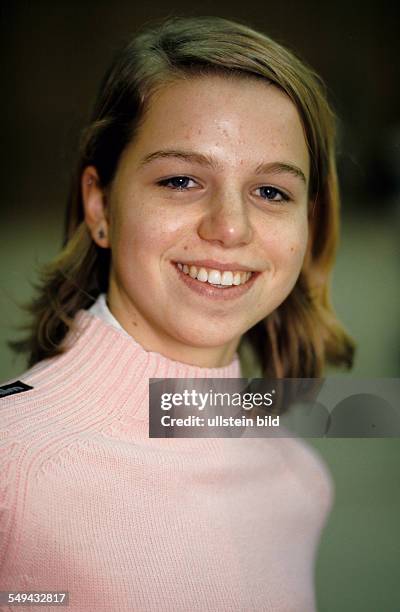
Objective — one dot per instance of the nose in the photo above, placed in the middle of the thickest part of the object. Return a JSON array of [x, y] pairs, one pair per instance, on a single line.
[[226, 221]]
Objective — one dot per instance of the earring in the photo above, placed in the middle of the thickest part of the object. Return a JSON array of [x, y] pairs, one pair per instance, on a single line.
[[101, 234]]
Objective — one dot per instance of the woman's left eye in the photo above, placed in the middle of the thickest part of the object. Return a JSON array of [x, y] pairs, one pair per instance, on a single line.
[[180, 183], [273, 194]]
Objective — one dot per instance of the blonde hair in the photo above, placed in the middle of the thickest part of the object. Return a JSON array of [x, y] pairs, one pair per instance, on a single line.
[[303, 334]]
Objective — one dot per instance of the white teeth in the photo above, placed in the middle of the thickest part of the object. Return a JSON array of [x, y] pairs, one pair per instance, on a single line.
[[202, 275], [236, 278], [227, 278], [215, 277]]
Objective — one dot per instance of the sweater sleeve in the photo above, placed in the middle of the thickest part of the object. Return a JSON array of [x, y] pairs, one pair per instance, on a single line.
[[10, 449], [14, 442]]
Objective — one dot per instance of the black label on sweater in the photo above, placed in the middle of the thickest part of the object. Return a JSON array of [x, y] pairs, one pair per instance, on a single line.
[[14, 387]]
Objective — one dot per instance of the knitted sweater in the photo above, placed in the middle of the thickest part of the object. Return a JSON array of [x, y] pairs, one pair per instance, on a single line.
[[91, 505]]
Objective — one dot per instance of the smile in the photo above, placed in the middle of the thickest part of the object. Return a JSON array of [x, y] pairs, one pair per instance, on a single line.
[[226, 278], [209, 282]]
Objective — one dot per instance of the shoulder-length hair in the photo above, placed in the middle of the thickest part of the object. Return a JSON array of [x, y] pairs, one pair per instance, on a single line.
[[303, 334]]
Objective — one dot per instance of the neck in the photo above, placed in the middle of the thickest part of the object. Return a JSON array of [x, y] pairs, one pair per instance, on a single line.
[[154, 339]]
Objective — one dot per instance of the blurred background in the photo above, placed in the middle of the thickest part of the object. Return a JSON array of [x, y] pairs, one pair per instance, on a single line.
[[54, 54]]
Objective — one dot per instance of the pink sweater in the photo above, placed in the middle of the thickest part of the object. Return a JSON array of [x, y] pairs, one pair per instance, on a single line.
[[91, 505]]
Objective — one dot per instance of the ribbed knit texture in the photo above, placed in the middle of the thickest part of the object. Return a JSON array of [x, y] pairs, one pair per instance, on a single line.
[[91, 505]]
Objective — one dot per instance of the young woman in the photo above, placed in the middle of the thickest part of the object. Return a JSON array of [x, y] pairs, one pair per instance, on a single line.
[[202, 222]]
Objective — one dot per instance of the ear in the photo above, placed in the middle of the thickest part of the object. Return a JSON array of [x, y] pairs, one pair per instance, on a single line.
[[95, 207]]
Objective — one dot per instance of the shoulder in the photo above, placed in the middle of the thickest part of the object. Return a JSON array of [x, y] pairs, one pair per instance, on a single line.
[[21, 402], [26, 397], [10, 389]]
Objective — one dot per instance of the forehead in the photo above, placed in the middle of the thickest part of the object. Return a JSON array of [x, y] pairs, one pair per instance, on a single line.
[[226, 116]]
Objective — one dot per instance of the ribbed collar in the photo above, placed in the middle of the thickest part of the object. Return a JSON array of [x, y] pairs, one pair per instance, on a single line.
[[115, 368]]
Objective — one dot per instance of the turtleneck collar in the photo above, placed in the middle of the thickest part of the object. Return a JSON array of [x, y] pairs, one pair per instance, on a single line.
[[101, 310], [111, 362]]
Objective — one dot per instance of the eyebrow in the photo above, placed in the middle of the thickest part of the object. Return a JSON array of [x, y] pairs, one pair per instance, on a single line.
[[211, 162]]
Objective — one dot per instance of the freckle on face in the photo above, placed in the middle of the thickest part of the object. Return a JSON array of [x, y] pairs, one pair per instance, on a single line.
[[169, 317]]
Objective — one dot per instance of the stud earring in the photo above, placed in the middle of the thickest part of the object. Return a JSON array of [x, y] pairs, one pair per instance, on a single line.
[[101, 234]]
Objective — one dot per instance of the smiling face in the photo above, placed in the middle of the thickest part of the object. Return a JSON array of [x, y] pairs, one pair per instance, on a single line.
[[213, 187]]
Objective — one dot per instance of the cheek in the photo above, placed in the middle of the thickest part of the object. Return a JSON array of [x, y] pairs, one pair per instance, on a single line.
[[296, 252], [143, 234], [286, 248], [285, 254]]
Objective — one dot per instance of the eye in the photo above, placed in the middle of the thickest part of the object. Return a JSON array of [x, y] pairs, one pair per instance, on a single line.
[[272, 194], [180, 183]]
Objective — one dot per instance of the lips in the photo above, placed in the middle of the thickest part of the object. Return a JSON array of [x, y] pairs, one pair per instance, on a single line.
[[212, 264], [209, 283], [214, 276]]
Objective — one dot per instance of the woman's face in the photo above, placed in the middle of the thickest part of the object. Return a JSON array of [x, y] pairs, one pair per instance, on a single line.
[[213, 188]]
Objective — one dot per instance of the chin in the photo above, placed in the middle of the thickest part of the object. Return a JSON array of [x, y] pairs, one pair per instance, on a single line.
[[208, 337]]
